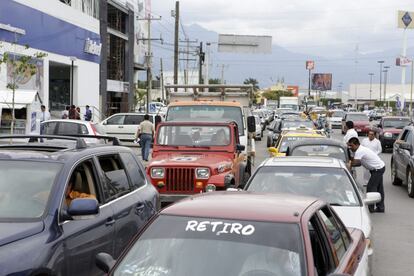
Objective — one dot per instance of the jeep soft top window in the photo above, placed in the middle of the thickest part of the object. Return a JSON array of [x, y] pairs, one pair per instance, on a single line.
[[197, 246], [194, 135], [25, 187], [207, 113]]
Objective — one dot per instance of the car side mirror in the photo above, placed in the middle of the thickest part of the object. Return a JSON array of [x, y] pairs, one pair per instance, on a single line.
[[240, 148], [372, 198], [104, 262], [158, 120], [104, 123], [405, 146], [83, 208], [251, 124]]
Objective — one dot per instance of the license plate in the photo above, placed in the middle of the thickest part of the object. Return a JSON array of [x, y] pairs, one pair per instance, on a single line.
[[358, 130]]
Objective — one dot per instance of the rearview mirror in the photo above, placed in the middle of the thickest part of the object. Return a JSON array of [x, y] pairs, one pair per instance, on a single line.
[[240, 148], [104, 262], [104, 123], [372, 198], [83, 208], [251, 124]]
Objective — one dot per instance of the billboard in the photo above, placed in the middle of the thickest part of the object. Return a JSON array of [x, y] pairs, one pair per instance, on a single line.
[[321, 82], [294, 89], [405, 20], [248, 44], [403, 61]]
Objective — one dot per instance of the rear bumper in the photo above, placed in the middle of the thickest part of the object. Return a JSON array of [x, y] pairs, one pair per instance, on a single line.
[[387, 142], [362, 130]]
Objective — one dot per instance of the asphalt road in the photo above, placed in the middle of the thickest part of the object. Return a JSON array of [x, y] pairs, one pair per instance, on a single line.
[[393, 234]]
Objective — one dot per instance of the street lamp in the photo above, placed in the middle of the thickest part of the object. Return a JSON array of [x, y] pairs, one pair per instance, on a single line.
[[72, 59], [370, 86], [380, 75], [385, 82]]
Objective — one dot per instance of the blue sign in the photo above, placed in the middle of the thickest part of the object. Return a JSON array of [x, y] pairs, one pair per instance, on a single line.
[[406, 19], [152, 108]]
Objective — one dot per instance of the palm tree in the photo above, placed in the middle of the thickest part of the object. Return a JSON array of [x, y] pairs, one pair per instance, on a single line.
[[253, 82]]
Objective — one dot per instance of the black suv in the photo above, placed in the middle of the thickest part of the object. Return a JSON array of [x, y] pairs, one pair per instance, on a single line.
[[49, 229], [402, 161]]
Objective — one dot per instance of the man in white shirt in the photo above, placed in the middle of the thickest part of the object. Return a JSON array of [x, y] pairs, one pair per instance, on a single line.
[[350, 131], [372, 162], [373, 144], [44, 116]]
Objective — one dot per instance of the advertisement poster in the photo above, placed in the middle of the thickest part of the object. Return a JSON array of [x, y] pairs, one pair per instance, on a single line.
[[321, 82]]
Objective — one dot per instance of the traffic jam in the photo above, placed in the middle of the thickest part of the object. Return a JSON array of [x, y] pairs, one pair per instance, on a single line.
[[203, 201]]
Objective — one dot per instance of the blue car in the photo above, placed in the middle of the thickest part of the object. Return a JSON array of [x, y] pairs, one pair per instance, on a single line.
[[62, 203]]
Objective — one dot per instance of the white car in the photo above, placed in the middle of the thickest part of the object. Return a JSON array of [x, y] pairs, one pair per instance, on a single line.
[[259, 130], [323, 177], [67, 127], [124, 126], [336, 118]]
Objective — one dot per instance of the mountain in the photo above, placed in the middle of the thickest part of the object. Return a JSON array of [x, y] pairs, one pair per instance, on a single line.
[[281, 63]]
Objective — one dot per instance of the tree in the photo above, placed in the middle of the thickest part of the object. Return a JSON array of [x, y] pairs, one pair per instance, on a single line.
[[140, 94], [253, 82], [214, 81], [276, 94], [21, 66]]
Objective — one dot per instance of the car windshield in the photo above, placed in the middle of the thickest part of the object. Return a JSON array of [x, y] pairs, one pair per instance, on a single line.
[[331, 184], [197, 246], [193, 135], [207, 112], [396, 123], [357, 117], [297, 124], [338, 114], [25, 187], [288, 140], [320, 150]]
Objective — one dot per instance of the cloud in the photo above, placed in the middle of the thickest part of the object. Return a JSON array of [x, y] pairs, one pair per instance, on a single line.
[[311, 26]]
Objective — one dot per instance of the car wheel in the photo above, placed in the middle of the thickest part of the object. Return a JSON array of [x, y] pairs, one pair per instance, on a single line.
[[261, 134], [269, 142], [410, 188], [394, 178]]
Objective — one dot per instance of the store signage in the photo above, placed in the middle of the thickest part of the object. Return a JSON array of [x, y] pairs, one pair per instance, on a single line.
[[310, 65], [92, 47], [403, 61]]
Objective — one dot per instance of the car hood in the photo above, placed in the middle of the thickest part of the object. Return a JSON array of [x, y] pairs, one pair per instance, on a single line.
[[188, 159], [392, 130], [355, 217], [361, 123], [14, 231]]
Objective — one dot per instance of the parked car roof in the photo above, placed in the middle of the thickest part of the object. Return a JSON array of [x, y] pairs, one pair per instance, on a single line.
[[243, 206], [304, 161]]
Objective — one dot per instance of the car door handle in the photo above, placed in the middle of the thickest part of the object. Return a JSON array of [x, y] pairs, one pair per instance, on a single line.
[[109, 221], [120, 127], [139, 208]]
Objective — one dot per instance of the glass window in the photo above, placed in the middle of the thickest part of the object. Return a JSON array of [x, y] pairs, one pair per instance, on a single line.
[[50, 128], [116, 181], [320, 150], [133, 119], [209, 112], [71, 128], [134, 170], [409, 137], [331, 184], [116, 120], [357, 117], [250, 247], [25, 187], [288, 140], [396, 123], [333, 232], [194, 135], [297, 124]]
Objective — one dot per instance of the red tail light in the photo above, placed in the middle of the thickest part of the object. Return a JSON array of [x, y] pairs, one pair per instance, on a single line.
[[93, 129]]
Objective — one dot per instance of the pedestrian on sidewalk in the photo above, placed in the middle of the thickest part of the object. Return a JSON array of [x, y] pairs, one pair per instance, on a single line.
[[65, 113], [145, 134], [78, 113], [372, 162], [373, 144], [350, 131], [72, 112], [88, 114]]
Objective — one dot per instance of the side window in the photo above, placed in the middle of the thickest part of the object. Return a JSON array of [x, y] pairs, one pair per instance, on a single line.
[[404, 135], [82, 183], [133, 119], [50, 128], [409, 137], [69, 128], [334, 232], [116, 120], [134, 170], [115, 177]]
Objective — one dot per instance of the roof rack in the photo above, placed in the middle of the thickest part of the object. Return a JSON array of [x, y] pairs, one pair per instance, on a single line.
[[80, 143]]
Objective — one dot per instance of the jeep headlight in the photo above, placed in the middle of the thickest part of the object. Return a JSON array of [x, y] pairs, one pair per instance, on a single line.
[[157, 172], [202, 173], [387, 135]]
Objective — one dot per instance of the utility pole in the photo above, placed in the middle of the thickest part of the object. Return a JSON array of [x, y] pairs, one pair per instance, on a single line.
[[149, 56], [162, 82], [206, 64], [380, 75], [222, 72], [370, 85], [385, 83], [176, 35], [200, 63], [411, 90]]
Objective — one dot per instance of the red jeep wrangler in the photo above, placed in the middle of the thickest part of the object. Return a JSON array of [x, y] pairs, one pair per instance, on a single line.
[[190, 157]]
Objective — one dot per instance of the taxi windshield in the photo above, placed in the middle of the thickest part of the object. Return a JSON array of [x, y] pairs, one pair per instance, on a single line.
[[320, 150], [249, 247], [193, 135], [331, 184], [25, 187]]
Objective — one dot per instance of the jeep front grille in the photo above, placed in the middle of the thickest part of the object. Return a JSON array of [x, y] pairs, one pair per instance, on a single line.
[[180, 180]]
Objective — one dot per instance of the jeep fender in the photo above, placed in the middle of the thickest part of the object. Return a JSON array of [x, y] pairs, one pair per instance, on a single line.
[[222, 181]]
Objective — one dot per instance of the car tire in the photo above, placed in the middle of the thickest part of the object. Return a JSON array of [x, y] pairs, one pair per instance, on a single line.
[[269, 142], [261, 134], [410, 183], [394, 178]]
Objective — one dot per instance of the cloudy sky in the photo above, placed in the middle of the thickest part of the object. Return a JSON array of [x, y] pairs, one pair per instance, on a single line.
[[317, 27]]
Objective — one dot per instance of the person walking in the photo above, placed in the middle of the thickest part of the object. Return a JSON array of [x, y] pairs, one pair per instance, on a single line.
[[145, 133], [72, 112], [373, 144], [350, 131], [372, 162], [65, 113], [78, 113], [88, 114], [44, 116]]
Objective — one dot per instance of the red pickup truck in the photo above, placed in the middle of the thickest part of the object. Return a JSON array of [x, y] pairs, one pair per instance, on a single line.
[[192, 157]]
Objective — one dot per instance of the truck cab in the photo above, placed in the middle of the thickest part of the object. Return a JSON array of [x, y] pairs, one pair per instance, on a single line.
[[192, 157]]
